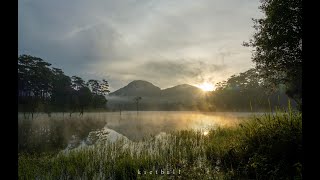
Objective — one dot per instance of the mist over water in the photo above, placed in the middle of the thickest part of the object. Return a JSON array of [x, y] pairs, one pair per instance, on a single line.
[[137, 125]]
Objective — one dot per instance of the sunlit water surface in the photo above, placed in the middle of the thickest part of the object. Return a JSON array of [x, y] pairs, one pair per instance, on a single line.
[[136, 126]]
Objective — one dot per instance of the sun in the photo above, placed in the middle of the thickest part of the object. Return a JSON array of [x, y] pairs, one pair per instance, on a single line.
[[206, 86]]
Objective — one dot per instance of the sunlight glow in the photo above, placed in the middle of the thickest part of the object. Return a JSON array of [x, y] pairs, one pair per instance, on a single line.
[[206, 86], [205, 133]]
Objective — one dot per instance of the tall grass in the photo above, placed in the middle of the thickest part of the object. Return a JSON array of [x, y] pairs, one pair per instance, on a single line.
[[266, 147]]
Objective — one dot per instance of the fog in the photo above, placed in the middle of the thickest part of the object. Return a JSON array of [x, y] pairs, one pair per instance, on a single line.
[[45, 133]]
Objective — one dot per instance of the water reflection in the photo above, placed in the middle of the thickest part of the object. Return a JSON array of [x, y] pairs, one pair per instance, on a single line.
[[136, 126]]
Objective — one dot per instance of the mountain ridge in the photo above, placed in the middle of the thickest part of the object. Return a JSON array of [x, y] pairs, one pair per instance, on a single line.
[[179, 97], [143, 83], [137, 88]]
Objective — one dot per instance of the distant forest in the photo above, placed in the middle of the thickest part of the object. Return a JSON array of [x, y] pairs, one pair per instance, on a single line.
[[248, 92], [42, 88]]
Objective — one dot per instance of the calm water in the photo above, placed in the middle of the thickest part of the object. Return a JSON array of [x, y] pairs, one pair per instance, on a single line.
[[135, 125]]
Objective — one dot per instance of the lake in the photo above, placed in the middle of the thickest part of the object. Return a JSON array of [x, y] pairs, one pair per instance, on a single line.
[[135, 126]]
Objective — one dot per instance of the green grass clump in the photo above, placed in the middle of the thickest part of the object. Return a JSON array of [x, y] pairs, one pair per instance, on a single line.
[[266, 147]]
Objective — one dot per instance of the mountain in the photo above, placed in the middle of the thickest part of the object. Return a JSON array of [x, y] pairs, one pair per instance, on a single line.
[[180, 97], [182, 91], [138, 88]]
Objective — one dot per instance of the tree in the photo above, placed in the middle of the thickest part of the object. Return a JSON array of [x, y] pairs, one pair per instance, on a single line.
[[34, 82], [61, 91], [246, 91], [277, 45], [137, 100], [104, 87], [98, 101], [99, 90], [82, 95], [77, 83], [94, 85], [45, 88], [85, 97]]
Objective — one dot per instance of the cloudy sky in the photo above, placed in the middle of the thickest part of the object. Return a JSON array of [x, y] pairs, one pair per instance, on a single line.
[[166, 42]]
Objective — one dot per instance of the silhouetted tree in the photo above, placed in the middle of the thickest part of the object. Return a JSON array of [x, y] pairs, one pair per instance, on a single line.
[[277, 45], [137, 100], [77, 83], [246, 91], [42, 88], [104, 87], [94, 86], [34, 82], [85, 97], [99, 90], [61, 92]]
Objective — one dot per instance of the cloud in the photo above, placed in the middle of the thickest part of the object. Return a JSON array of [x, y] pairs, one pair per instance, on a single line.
[[182, 71], [164, 73], [180, 68], [166, 42]]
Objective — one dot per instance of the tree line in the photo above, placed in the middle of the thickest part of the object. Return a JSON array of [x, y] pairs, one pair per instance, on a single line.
[[248, 91], [42, 88]]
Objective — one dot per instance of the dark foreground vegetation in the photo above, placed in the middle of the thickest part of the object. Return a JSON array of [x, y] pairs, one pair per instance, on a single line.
[[267, 147]]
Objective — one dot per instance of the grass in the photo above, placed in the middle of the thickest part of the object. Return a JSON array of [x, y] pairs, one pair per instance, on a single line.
[[266, 147]]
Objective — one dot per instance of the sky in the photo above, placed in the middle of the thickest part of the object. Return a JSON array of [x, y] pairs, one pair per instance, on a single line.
[[167, 42]]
